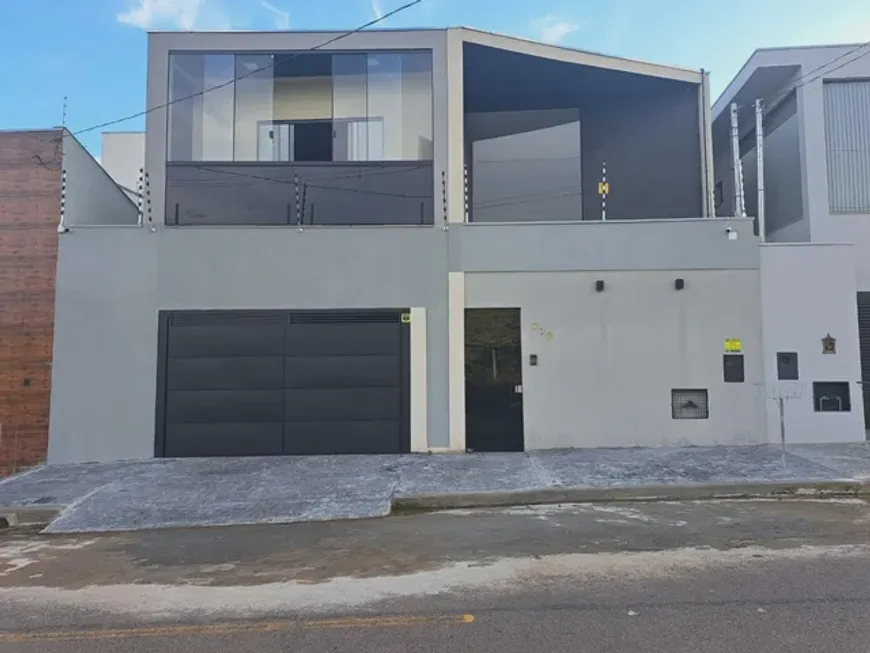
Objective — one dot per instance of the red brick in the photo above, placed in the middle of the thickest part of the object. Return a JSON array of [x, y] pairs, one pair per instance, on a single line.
[[30, 180]]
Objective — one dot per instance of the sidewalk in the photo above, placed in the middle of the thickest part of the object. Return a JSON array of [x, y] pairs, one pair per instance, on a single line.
[[166, 493]]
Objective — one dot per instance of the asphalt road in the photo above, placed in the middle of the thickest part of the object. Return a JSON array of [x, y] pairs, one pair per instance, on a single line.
[[726, 576]]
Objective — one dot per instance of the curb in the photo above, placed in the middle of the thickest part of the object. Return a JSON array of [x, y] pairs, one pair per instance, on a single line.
[[586, 494], [28, 516]]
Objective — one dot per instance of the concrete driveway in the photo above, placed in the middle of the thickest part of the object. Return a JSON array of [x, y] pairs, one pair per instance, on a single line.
[[101, 497]]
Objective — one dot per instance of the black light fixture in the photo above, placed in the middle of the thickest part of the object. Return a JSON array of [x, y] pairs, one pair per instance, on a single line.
[[679, 284], [599, 285]]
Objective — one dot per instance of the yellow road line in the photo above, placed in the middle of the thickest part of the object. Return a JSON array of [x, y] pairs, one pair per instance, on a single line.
[[237, 628]]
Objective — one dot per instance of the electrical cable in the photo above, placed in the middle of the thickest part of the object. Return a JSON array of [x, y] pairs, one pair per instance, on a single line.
[[275, 61], [810, 76], [313, 185]]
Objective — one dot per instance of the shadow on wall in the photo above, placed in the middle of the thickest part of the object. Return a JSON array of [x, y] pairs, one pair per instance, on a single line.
[[91, 198]]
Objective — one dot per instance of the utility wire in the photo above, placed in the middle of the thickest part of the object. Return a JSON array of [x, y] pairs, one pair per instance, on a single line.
[[818, 72], [509, 200], [313, 185], [275, 61]]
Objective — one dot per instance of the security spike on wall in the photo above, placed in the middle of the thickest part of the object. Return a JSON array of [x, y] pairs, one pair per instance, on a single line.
[[149, 217], [140, 188], [444, 200], [61, 228], [465, 190]]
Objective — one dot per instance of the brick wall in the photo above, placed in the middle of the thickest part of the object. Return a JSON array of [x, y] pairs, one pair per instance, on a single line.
[[29, 214]]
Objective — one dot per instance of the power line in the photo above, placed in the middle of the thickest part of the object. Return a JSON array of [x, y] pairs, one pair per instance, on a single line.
[[499, 204], [845, 63], [307, 184], [805, 78], [275, 61], [834, 60]]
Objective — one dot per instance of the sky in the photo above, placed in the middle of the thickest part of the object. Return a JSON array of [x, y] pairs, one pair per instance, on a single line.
[[93, 52]]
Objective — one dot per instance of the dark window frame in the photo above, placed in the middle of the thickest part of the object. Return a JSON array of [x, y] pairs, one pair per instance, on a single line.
[[830, 388], [703, 407]]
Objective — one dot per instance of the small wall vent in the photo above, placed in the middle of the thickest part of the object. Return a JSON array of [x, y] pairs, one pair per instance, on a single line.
[[689, 404]]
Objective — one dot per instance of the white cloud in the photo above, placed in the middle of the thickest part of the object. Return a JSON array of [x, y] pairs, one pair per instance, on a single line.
[[377, 9], [554, 29], [282, 18], [178, 14]]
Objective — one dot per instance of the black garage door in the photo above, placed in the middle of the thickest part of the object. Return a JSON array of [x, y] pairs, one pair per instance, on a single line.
[[248, 383]]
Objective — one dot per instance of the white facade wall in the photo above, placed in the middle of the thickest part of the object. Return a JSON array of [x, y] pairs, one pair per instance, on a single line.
[[807, 292], [604, 376], [122, 155]]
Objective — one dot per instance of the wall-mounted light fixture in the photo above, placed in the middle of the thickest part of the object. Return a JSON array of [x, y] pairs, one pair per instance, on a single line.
[[599, 285], [679, 284]]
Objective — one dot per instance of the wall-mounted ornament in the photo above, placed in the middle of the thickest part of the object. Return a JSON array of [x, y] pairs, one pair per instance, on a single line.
[[829, 344]]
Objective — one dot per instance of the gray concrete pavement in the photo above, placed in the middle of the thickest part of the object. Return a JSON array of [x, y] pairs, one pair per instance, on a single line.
[[214, 492], [790, 576]]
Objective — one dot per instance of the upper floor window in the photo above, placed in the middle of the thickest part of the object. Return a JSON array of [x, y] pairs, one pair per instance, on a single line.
[[300, 107]]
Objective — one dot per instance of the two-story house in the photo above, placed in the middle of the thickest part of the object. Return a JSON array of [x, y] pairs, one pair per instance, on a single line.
[[816, 171], [411, 241]]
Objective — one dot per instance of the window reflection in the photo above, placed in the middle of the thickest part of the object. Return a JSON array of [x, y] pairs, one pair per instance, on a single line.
[[310, 107]]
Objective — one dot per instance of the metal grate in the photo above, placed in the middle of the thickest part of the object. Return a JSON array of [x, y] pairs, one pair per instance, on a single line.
[[831, 397], [689, 404]]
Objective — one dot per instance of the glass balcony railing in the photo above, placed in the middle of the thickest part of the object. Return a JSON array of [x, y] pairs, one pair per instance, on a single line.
[[399, 193]]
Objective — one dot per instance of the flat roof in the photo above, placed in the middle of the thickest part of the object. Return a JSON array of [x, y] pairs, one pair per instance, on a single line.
[[502, 41], [771, 57]]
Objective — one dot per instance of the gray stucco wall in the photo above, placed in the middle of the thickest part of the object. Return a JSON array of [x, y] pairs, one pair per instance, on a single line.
[[122, 155], [92, 198], [103, 375], [605, 377], [113, 282], [701, 243]]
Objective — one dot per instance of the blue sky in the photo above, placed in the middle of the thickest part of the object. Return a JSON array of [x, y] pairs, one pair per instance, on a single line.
[[93, 51]]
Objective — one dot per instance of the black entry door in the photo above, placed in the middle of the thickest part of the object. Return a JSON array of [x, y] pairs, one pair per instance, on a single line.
[[493, 380], [279, 382]]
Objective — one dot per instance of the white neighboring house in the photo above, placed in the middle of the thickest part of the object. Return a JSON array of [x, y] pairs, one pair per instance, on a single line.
[[123, 156], [817, 186]]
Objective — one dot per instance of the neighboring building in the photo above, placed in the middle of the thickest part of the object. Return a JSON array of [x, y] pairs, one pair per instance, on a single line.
[[30, 182], [816, 173], [395, 243], [42, 173], [122, 155]]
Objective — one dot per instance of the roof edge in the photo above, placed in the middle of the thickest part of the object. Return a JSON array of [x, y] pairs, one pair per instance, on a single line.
[[564, 48]]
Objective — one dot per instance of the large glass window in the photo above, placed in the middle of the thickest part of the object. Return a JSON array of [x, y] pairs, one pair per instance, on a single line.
[[200, 123], [306, 107]]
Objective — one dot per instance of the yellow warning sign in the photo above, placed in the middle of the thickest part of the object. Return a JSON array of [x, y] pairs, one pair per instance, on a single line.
[[406, 318], [603, 188], [733, 345]]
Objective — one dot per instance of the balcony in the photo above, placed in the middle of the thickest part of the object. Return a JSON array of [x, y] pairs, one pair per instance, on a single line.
[[300, 194], [300, 138]]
